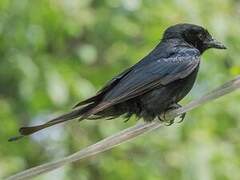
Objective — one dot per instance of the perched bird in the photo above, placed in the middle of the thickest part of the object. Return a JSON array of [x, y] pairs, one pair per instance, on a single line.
[[152, 86]]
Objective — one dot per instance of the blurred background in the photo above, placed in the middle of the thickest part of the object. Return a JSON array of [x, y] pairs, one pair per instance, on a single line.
[[55, 53]]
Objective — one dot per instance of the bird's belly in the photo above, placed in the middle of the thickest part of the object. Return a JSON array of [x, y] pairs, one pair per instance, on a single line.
[[157, 101]]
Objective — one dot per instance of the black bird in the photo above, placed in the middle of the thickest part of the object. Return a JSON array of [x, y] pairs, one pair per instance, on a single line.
[[152, 86]]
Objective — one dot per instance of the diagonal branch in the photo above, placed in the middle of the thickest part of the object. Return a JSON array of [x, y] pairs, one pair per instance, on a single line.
[[126, 134]]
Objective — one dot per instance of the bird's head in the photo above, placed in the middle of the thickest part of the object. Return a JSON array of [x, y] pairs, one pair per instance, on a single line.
[[194, 35]]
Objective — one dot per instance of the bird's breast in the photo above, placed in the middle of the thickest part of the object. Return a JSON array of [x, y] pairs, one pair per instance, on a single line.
[[162, 97]]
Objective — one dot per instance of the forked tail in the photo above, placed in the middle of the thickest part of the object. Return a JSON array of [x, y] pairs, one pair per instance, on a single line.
[[76, 113]]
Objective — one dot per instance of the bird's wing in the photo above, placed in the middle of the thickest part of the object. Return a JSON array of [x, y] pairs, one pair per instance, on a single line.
[[141, 80]]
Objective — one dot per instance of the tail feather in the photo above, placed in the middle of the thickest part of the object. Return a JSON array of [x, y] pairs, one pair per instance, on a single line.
[[65, 117], [91, 108], [76, 113]]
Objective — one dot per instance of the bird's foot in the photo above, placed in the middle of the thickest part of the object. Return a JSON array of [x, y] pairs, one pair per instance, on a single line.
[[164, 120], [169, 122]]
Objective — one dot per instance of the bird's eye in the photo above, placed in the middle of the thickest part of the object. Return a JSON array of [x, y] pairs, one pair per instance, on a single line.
[[201, 36]]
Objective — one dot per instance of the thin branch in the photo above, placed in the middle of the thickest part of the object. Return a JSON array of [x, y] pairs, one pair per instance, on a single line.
[[126, 134]]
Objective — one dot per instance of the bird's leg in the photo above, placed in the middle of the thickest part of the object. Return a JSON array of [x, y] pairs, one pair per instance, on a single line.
[[169, 122]]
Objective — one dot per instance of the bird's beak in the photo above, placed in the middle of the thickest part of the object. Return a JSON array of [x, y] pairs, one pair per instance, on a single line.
[[212, 43]]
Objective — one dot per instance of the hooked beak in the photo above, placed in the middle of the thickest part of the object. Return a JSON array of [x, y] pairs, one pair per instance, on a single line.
[[215, 44]]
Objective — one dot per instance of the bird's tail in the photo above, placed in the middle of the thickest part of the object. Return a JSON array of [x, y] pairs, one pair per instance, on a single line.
[[76, 113]]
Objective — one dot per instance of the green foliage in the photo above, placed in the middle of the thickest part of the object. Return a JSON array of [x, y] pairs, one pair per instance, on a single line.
[[56, 52]]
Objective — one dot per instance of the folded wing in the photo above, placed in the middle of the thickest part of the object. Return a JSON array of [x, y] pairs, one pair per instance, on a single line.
[[141, 80]]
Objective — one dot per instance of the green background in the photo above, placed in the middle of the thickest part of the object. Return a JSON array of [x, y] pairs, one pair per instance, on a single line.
[[54, 53]]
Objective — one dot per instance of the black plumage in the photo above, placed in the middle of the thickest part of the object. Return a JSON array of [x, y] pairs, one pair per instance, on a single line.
[[153, 85]]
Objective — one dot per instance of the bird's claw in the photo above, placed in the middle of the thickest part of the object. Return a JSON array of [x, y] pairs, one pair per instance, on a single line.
[[164, 120], [169, 122], [182, 116]]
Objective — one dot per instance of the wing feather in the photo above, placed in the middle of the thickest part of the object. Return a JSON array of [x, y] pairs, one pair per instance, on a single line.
[[157, 73]]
